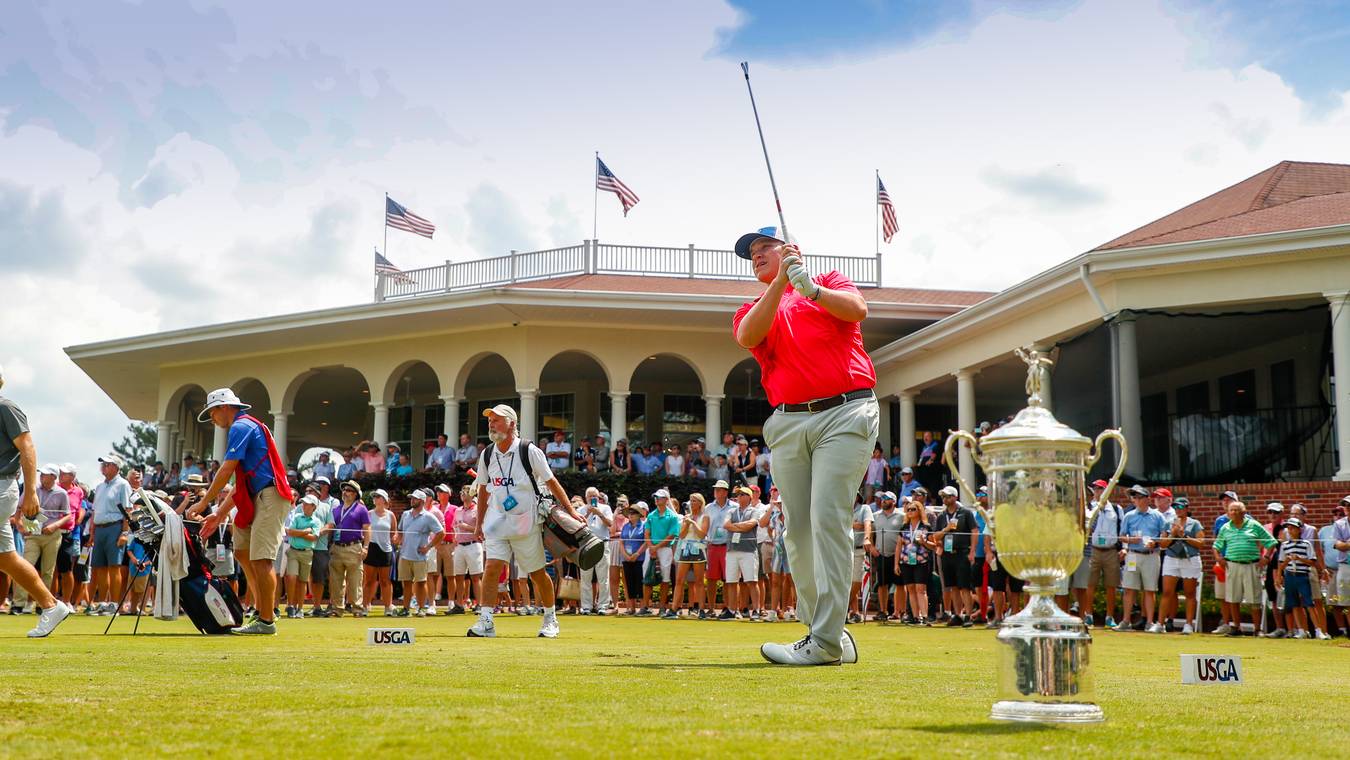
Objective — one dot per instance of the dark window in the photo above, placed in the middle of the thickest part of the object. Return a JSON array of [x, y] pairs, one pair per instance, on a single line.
[[636, 414], [1237, 392], [480, 430], [400, 428], [555, 414], [1283, 390], [434, 421], [1157, 457], [1193, 399], [748, 416], [683, 418]]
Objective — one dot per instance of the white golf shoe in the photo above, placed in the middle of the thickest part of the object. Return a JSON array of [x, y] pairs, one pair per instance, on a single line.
[[484, 628], [803, 652], [850, 656], [549, 630], [49, 618]]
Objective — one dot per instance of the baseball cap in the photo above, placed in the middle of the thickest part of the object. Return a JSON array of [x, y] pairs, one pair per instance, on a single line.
[[1182, 500], [443, 487], [1181, 504], [949, 491], [323, 453], [1099, 483], [1138, 490], [661, 493], [503, 410], [640, 506], [1346, 501], [721, 484], [394, 446], [68, 467], [323, 479], [906, 470], [1274, 506], [743, 490], [220, 397], [381, 493], [887, 495], [1229, 495], [309, 498], [744, 242], [1163, 492], [982, 491], [111, 459], [1294, 522], [48, 469], [418, 494]]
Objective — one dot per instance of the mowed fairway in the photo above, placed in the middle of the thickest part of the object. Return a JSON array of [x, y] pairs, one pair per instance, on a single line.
[[623, 687]]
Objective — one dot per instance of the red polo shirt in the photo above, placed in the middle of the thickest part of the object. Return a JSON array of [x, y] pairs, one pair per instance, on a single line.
[[810, 353]]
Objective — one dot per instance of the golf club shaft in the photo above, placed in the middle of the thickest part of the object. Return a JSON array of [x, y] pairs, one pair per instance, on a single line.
[[782, 224]]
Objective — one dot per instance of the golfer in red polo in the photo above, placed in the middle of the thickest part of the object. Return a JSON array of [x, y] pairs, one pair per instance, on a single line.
[[805, 333]]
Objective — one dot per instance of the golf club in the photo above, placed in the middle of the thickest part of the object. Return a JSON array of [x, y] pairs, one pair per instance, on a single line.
[[782, 225]]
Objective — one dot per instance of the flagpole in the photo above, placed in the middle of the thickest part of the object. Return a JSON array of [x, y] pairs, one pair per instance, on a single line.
[[595, 199], [386, 225], [876, 204]]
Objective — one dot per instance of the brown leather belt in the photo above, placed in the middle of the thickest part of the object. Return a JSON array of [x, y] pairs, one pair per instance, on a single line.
[[821, 404]]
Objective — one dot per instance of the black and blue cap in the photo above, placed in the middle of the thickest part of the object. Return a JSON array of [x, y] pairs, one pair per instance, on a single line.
[[744, 242]]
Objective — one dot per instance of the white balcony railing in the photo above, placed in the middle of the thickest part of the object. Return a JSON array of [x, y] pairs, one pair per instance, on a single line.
[[594, 257]]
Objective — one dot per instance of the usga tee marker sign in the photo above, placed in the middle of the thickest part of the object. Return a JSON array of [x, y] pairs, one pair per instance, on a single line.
[[389, 636], [1211, 669]]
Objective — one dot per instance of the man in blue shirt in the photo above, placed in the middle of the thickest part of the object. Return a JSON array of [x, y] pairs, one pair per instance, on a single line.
[[1143, 564], [251, 458]]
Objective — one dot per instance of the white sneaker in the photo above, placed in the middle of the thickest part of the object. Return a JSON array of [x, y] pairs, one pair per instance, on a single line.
[[431, 611], [850, 655], [771, 617], [421, 612], [1187, 630], [1156, 628], [484, 628], [803, 652], [1299, 634], [549, 630], [48, 619], [1322, 635], [1222, 630]]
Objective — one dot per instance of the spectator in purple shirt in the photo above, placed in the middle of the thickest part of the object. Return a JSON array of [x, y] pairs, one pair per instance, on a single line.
[[350, 526]]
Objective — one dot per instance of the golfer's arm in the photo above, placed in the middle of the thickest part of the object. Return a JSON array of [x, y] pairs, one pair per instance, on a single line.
[[757, 322], [27, 459], [842, 304], [222, 480]]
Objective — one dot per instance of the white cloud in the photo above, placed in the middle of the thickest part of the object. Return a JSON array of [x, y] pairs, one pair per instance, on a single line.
[[486, 121]]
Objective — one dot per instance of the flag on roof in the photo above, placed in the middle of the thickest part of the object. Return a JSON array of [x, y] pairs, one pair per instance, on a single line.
[[889, 225], [385, 267], [605, 180], [400, 218]]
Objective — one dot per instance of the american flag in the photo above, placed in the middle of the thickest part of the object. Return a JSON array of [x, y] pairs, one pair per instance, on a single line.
[[400, 218], [605, 180], [385, 267], [889, 226]]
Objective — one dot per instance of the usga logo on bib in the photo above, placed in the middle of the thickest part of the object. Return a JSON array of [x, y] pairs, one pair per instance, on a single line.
[[1211, 669], [389, 636]]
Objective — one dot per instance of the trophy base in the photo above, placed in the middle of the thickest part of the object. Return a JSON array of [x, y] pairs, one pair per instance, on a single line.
[[1047, 712], [1043, 665]]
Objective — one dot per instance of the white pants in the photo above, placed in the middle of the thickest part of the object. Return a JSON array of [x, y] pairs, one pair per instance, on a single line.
[[818, 461], [600, 576]]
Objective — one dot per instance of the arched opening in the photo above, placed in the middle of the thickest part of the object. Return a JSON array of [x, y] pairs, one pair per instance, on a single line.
[[416, 413], [331, 408], [488, 381], [746, 406], [188, 437], [573, 397], [666, 401]]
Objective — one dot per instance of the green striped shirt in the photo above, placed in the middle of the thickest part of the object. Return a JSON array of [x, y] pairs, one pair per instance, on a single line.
[[1241, 544]]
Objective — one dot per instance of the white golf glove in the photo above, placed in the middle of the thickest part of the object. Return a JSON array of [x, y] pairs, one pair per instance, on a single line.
[[800, 279]]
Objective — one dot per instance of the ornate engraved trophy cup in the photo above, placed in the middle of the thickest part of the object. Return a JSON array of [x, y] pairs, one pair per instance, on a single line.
[[1036, 467]]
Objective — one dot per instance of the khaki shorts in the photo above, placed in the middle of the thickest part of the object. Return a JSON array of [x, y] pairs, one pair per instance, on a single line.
[[139, 583], [445, 559], [1145, 575], [9, 502], [859, 564], [262, 538], [1242, 583], [412, 571], [1104, 567], [1342, 585], [299, 562]]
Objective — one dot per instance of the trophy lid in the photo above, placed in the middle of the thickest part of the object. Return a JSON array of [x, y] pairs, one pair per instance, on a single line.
[[1035, 423]]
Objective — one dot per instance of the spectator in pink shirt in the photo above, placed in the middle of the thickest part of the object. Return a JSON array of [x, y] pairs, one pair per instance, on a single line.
[[461, 523], [372, 460]]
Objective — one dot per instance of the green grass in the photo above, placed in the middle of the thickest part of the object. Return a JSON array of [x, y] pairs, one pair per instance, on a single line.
[[624, 687]]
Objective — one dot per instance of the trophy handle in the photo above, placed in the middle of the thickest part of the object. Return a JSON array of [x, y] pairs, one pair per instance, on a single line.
[[1102, 437], [960, 435]]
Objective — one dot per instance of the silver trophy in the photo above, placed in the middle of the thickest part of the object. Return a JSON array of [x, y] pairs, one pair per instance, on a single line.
[[1036, 467]]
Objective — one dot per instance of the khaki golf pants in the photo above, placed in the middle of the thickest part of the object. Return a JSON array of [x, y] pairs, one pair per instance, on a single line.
[[40, 551], [344, 569], [818, 464]]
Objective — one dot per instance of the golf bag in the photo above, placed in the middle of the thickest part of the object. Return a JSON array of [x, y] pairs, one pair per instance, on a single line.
[[209, 602], [564, 536]]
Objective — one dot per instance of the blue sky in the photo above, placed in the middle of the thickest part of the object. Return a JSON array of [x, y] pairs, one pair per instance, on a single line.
[[154, 150]]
